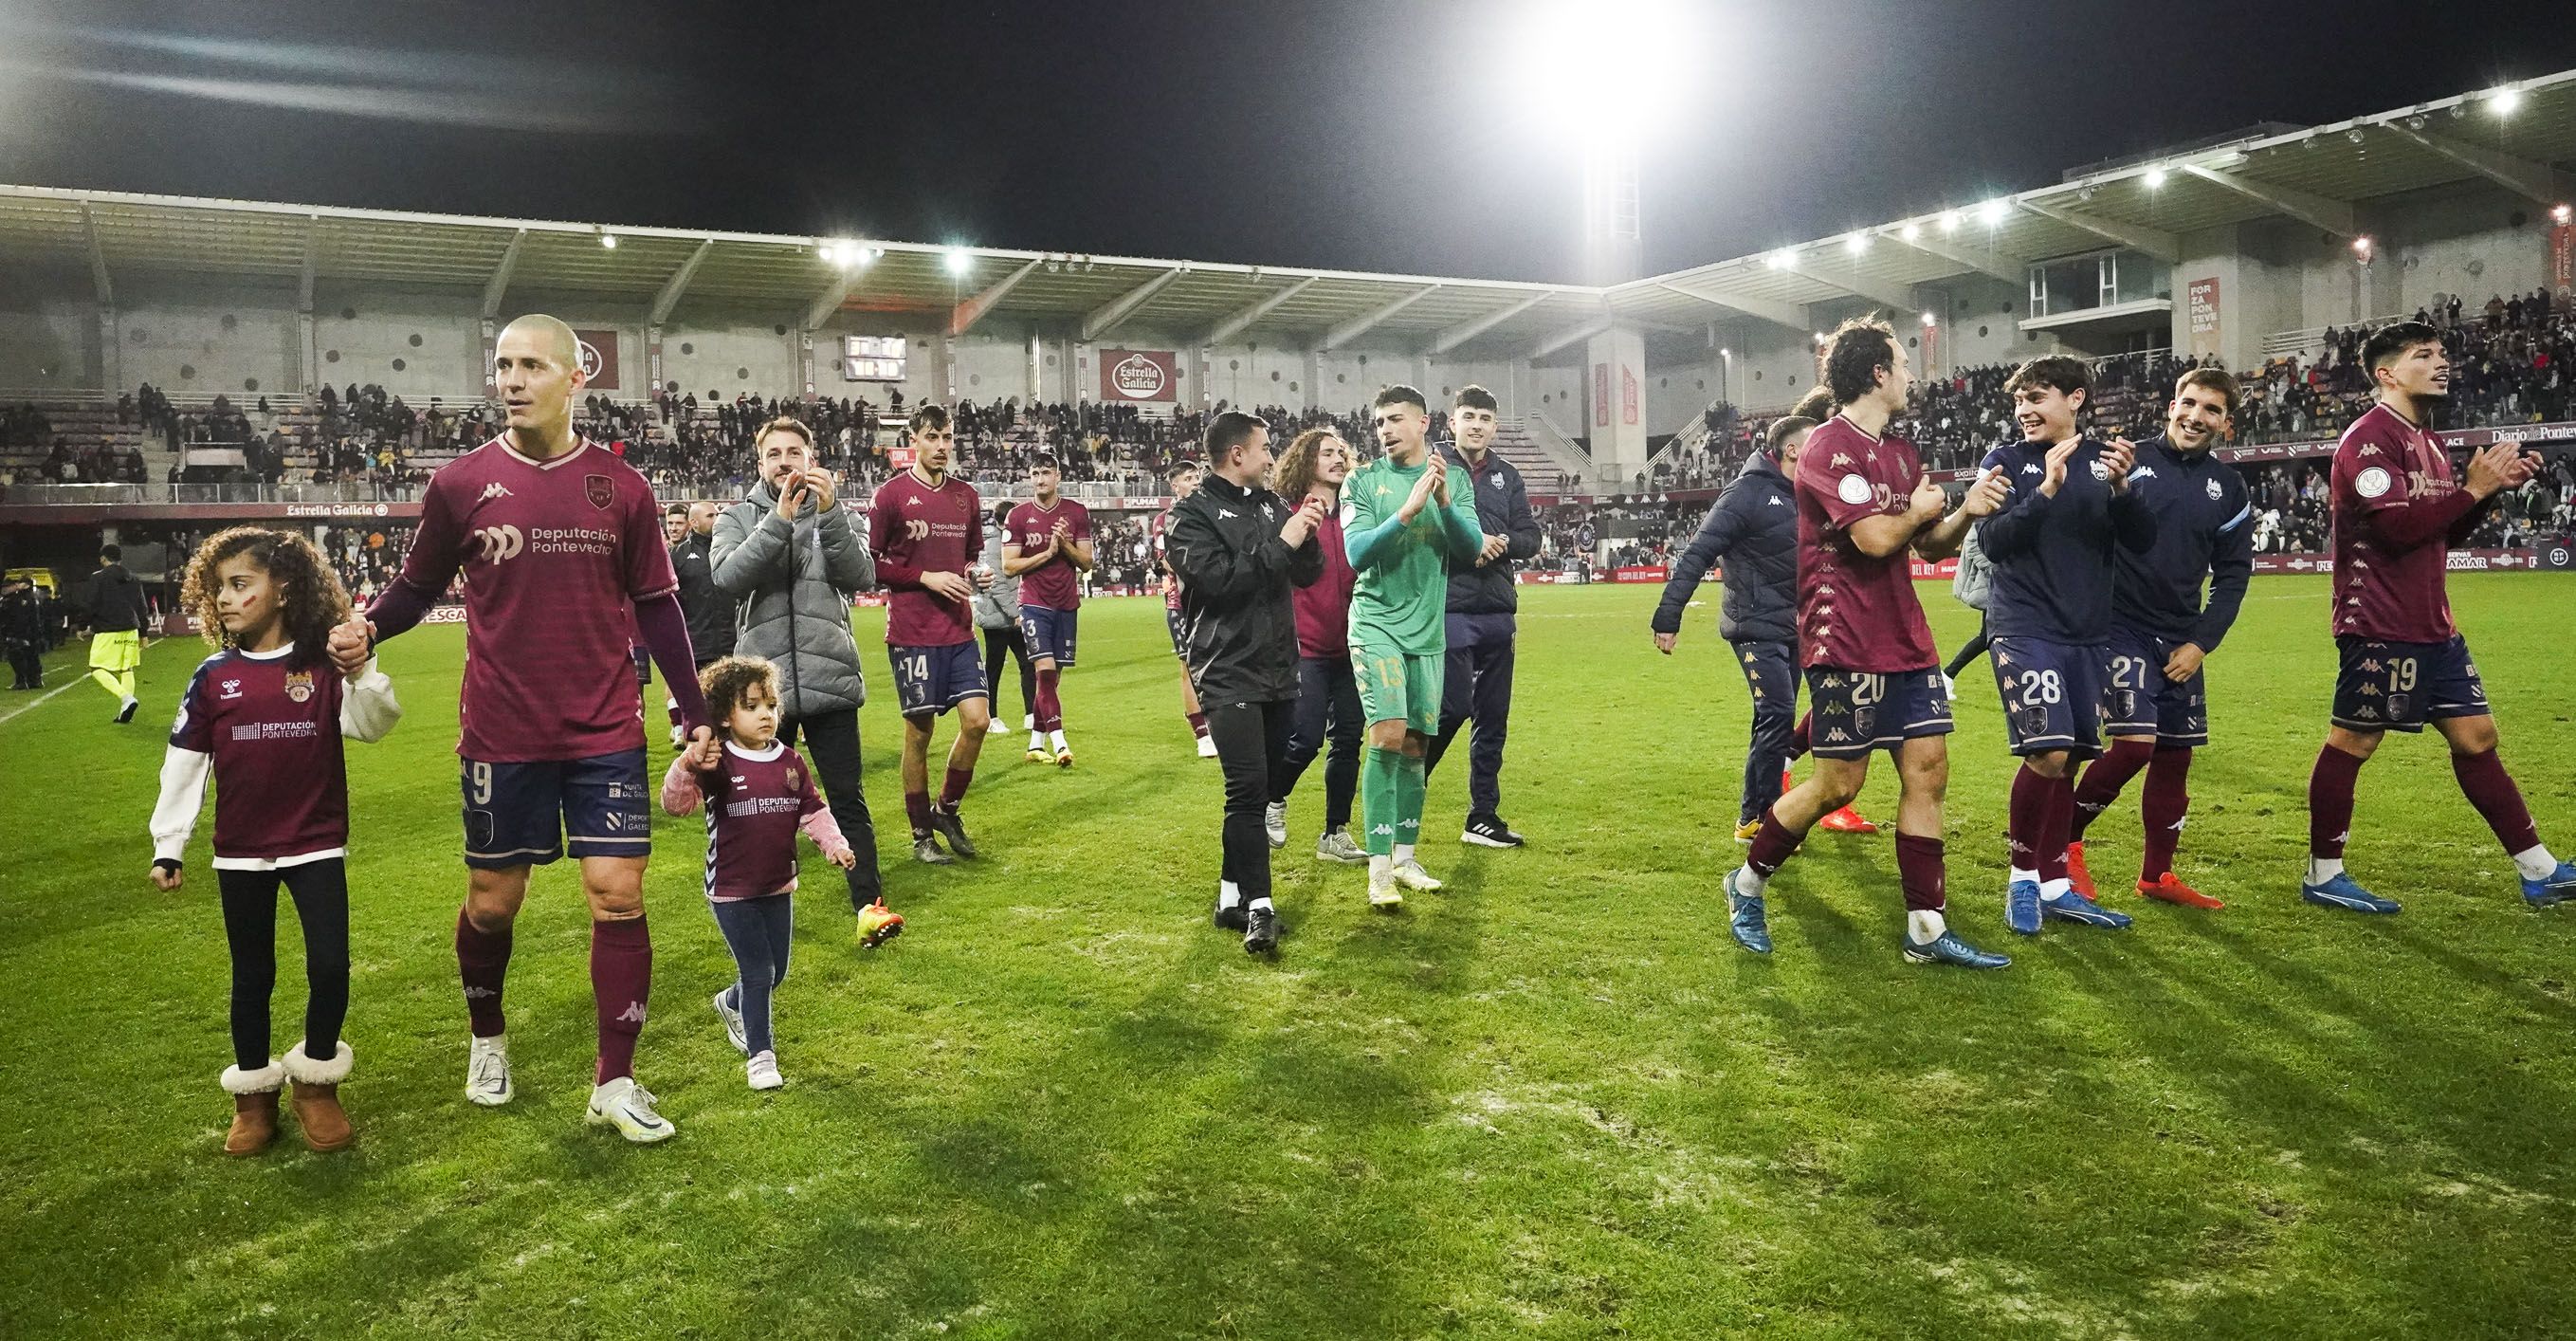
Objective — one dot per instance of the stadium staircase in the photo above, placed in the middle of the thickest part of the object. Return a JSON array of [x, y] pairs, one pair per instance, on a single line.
[[1539, 450]]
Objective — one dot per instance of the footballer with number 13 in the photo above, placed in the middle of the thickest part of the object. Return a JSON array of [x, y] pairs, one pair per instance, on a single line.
[[560, 545], [2397, 511]]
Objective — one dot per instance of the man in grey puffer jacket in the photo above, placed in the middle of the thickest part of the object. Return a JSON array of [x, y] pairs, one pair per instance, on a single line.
[[790, 555]]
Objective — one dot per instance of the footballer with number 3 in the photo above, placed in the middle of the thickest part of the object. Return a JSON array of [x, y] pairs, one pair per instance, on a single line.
[[560, 546], [2397, 511], [1873, 677]]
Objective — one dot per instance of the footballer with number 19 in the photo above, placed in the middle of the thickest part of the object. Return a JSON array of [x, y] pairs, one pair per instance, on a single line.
[[560, 546], [2397, 511], [1873, 677]]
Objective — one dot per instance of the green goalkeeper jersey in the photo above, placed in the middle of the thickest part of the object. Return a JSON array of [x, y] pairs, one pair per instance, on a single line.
[[1401, 599]]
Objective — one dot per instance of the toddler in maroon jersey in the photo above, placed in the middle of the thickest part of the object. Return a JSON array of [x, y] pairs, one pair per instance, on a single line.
[[264, 715], [758, 796]]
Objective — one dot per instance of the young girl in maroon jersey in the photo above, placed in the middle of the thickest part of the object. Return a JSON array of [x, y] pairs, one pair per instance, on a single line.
[[265, 715], [758, 796]]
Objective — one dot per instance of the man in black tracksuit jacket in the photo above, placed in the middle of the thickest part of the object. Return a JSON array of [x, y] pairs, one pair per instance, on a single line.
[[1754, 527], [1238, 549], [1481, 626], [708, 608]]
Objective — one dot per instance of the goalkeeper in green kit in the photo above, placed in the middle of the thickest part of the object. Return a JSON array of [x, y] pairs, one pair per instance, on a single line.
[[1406, 517]]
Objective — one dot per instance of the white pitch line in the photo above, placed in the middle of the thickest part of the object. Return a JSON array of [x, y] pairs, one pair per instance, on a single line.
[[24, 710]]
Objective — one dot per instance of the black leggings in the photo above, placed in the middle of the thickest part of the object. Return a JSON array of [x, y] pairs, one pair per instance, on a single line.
[[1968, 652], [321, 893], [998, 643]]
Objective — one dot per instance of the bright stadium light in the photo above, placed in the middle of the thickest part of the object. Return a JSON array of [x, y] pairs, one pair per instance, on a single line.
[[1856, 243], [2505, 101], [2155, 178], [958, 261], [1930, 321], [2559, 213], [1949, 221], [1911, 231], [1616, 70], [1780, 260], [608, 240], [1994, 212]]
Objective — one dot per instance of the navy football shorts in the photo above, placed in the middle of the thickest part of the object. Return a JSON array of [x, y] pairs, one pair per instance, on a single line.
[[2401, 686], [1049, 633], [2137, 699], [1853, 714], [520, 814], [931, 680], [2052, 695]]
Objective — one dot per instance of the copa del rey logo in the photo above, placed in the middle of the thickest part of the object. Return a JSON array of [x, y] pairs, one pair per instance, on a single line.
[[1137, 377]]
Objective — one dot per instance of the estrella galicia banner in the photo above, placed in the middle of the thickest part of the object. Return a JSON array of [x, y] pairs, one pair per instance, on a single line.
[[1139, 375]]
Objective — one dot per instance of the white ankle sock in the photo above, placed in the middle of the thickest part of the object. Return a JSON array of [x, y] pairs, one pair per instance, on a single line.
[[1751, 882], [2018, 875], [2323, 869], [1262, 903], [1056, 739], [2059, 888], [1924, 926], [1403, 853], [1381, 869], [1228, 894], [2535, 862]]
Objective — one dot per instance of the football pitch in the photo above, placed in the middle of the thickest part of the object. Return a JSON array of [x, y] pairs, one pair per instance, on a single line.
[[1553, 1100]]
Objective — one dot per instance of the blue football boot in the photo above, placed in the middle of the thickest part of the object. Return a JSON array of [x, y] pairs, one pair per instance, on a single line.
[[1744, 917], [2558, 886], [2346, 893], [1947, 948], [2021, 907]]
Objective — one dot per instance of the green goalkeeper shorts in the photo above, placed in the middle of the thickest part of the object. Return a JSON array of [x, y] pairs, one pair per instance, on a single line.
[[1396, 685]]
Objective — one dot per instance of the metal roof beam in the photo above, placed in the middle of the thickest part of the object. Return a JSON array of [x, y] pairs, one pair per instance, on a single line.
[[98, 275], [827, 302], [1898, 296], [312, 263], [973, 309], [1472, 327], [1106, 317], [1563, 336], [1241, 319], [499, 284], [1790, 315], [2155, 242], [678, 284], [2316, 211], [1365, 322], [2533, 181], [1993, 264]]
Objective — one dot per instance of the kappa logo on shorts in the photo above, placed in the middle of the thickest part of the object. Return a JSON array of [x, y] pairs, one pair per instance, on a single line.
[[600, 490]]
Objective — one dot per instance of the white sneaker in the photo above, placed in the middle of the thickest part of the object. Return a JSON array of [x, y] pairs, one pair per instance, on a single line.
[[1411, 875], [1029, 721], [998, 728], [762, 1071], [1382, 891], [487, 1071], [1274, 817], [733, 1025], [1207, 747], [1949, 687], [627, 1106], [677, 739], [1341, 847]]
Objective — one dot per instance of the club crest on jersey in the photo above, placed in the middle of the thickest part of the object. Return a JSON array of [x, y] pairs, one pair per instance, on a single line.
[[2211, 487], [794, 781], [600, 490], [299, 686], [2101, 471]]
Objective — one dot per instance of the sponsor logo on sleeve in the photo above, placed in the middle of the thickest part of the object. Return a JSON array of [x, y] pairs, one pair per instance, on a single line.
[[2372, 483], [1852, 489]]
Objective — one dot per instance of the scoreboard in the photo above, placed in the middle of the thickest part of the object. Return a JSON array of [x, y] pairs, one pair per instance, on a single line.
[[872, 358]]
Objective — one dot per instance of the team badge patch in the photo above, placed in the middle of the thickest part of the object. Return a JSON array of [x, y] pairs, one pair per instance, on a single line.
[[2101, 471], [600, 490], [2212, 487], [2371, 483], [299, 686], [1853, 490]]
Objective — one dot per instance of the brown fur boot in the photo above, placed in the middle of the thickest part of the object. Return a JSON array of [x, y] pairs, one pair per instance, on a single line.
[[317, 1097], [254, 1107]]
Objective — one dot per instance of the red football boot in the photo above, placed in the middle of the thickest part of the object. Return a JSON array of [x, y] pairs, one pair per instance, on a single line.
[[1846, 820], [2078, 878], [2167, 889]]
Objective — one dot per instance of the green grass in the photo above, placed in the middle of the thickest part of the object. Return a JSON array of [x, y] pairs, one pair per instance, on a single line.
[[1554, 1100]]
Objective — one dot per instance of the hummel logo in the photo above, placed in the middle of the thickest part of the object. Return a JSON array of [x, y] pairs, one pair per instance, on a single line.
[[495, 490], [633, 1014]]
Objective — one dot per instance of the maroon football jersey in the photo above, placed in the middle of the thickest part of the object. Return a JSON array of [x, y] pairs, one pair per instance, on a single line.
[[281, 782], [1324, 609], [755, 801], [1856, 612], [950, 525], [2383, 466], [554, 554], [1055, 584]]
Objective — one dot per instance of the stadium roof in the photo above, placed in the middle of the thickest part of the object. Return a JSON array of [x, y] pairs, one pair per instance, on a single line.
[[2513, 136]]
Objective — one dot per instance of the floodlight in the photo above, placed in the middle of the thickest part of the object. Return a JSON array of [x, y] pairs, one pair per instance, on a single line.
[[1911, 231], [1995, 211], [958, 261], [608, 240], [2155, 178], [2505, 101]]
